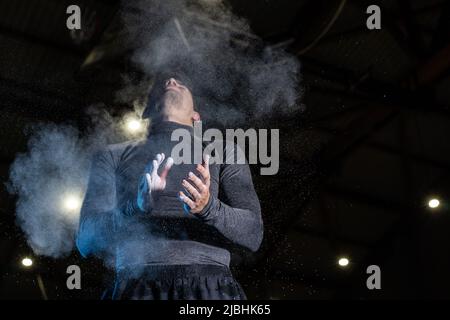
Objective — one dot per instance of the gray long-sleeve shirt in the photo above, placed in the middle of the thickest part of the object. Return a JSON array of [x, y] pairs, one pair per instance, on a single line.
[[112, 224]]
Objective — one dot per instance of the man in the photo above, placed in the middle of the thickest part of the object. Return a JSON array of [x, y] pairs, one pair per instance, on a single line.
[[168, 227]]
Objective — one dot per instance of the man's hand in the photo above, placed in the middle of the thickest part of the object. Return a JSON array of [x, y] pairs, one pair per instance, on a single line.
[[151, 181], [156, 182], [197, 188]]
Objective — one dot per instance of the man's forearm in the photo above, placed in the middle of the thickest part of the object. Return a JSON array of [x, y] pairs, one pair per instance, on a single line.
[[241, 226], [95, 234], [96, 229]]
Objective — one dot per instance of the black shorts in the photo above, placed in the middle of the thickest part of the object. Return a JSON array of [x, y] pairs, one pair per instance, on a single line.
[[176, 282]]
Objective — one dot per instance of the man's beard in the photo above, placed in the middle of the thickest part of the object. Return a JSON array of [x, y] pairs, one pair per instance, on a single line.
[[173, 99]]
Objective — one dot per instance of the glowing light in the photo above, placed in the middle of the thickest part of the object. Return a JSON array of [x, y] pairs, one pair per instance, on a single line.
[[72, 203], [133, 125], [27, 262], [434, 203], [343, 262]]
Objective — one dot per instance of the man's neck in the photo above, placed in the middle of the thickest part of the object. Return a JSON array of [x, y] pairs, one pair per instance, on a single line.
[[177, 120]]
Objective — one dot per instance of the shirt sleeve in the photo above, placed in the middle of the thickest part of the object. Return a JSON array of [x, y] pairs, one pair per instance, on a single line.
[[100, 209], [237, 215]]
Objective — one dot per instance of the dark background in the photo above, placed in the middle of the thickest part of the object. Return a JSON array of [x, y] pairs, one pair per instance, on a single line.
[[357, 165]]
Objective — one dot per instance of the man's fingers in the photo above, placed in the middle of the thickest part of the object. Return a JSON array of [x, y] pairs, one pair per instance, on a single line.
[[149, 181], [197, 182], [204, 169], [206, 158], [187, 200], [204, 173], [157, 162], [190, 188], [155, 167], [205, 165], [167, 167]]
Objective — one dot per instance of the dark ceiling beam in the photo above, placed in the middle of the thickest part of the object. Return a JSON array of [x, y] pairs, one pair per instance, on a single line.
[[429, 7], [371, 200], [333, 36], [394, 26], [431, 70], [428, 72], [340, 82], [422, 103], [43, 42], [65, 49], [440, 61], [357, 132], [304, 20], [413, 156], [314, 120], [408, 22], [442, 34], [300, 42], [416, 157], [413, 26], [14, 87]]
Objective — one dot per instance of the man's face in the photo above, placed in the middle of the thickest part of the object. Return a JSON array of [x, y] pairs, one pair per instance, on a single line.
[[177, 99]]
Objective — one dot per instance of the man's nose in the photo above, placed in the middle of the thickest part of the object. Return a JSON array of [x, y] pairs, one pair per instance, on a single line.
[[172, 82]]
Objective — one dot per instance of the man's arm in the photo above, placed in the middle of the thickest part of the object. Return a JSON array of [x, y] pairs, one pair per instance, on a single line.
[[99, 206], [100, 210], [238, 214]]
